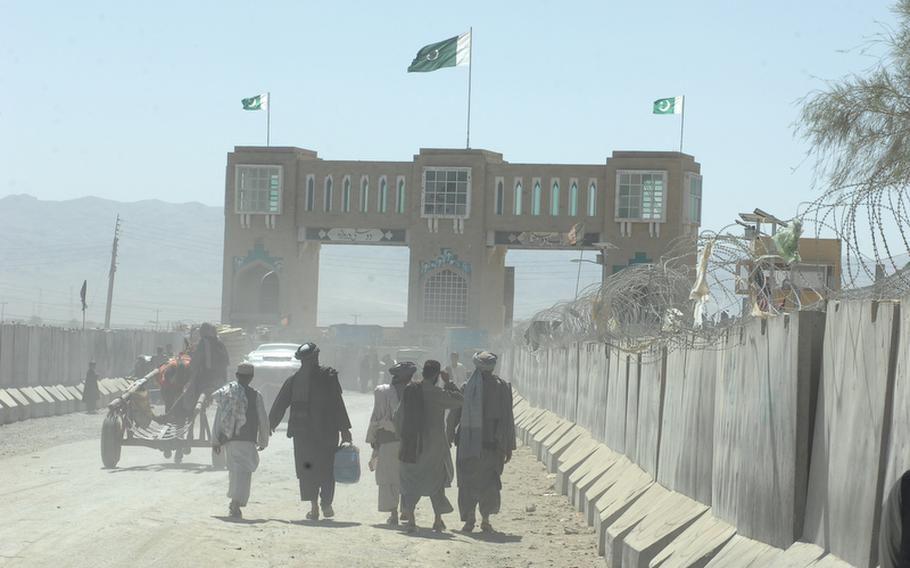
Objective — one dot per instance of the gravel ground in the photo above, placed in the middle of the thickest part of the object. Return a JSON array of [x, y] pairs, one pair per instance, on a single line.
[[60, 508], [37, 434]]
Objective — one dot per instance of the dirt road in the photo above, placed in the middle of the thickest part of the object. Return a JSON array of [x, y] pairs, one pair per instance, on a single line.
[[60, 508]]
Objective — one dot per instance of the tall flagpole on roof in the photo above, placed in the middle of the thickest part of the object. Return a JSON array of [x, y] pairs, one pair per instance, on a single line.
[[682, 122], [470, 66], [268, 118]]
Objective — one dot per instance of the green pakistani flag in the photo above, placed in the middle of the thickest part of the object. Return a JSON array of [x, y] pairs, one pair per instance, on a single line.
[[448, 53], [259, 102], [673, 105]]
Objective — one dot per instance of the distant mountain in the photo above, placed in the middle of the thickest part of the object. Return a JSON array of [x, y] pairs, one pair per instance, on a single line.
[[169, 265]]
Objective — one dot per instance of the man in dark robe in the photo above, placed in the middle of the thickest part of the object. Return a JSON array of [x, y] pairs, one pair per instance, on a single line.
[[208, 363], [426, 461], [90, 389], [317, 417], [484, 430]]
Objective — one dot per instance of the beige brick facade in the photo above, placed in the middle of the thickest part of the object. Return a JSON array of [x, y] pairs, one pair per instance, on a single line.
[[458, 211]]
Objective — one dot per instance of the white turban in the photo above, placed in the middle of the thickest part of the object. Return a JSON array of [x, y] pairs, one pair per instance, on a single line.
[[485, 361]]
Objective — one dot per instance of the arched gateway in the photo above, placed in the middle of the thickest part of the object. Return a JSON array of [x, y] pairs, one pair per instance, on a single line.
[[458, 211]]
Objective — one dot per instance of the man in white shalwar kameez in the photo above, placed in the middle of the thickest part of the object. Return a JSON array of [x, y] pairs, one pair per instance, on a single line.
[[384, 440], [241, 429]]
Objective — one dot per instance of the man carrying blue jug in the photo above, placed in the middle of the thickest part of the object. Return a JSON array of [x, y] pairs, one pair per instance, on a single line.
[[318, 416]]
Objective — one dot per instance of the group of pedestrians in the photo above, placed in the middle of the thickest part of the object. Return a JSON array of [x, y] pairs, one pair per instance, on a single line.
[[416, 419]]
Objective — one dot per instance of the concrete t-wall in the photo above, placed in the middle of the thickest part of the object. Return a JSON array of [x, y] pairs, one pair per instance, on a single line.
[[792, 429]]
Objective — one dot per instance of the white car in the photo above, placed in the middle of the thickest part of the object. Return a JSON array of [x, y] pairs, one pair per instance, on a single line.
[[273, 364]]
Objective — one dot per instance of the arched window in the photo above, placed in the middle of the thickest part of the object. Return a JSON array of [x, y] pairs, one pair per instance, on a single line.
[[327, 195], [554, 198], [445, 298], [536, 198], [310, 193], [592, 199], [268, 294], [498, 207], [573, 199], [519, 195], [383, 194], [346, 195], [399, 203], [364, 194]]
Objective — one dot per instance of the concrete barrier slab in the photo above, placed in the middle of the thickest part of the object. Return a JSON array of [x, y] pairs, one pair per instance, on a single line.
[[537, 440], [76, 395], [551, 439], [845, 488], [615, 533], [799, 555], [581, 488], [598, 462], [622, 468], [73, 403], [696, 545], [61, 402], [658, 529], [742, 552], [555, 445], [11, 412], [572, 459], [528, 419], [546, 421], [621, 497], [25, 405], [39, 407], [831, 561]]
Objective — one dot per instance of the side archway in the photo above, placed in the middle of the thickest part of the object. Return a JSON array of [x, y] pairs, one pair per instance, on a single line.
[[445, 297]]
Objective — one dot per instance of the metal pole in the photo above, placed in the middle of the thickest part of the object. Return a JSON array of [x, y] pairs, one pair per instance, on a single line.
[[110, 281], [470, 66], [268, 118], [578, 276], [682, 122]]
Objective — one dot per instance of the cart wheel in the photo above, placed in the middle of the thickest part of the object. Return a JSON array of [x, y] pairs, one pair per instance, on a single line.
[[219, 461], [178, 456], [111, 440]]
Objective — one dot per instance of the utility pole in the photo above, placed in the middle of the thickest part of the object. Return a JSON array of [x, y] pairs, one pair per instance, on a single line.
[[2, 311], [355, 316], [110, 281]]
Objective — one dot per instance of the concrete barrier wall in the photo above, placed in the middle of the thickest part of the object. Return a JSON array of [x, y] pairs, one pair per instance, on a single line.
[[43, 355], [686, 458], [761, 426], [792, 431], [847, 479], [17, 404]]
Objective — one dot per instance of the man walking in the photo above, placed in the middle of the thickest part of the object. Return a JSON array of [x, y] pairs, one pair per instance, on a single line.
[[456, 370], [90, 393], [317, 417], [384, 439], [426, 462], [241, 429], [484, 429]]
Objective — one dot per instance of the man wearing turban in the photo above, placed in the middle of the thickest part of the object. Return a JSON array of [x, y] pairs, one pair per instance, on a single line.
[[318, 416], [484, 431]]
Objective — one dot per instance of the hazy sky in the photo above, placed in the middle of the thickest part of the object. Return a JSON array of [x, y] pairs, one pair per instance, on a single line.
[[132, 100], [129, 100]]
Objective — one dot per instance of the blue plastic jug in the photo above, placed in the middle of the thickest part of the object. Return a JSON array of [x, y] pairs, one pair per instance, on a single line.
[[347, 464]]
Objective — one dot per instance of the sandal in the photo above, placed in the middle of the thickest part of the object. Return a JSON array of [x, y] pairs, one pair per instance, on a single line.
[[312, 516], [439, 526], [486, 527], [468, 527]]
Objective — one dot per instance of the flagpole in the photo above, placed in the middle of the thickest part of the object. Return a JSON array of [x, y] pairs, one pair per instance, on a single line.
[[268, 118], [682, 123], [470, 66]]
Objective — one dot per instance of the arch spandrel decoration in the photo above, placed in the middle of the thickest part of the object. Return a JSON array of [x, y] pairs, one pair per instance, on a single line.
[[258, 254], [446, 258]]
